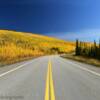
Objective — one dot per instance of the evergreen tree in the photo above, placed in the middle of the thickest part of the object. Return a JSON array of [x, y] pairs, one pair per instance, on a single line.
[[77, 47]]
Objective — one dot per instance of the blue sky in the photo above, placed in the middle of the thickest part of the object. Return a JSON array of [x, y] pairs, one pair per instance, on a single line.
[[65, 19]]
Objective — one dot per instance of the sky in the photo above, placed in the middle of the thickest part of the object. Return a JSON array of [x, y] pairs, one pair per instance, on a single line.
[[65, 19]]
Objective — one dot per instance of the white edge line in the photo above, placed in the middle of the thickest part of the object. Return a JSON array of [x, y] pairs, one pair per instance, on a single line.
[[85, 69], [14, 69]]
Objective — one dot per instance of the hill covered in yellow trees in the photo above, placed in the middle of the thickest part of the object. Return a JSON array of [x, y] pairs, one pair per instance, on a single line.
[[16, 46]]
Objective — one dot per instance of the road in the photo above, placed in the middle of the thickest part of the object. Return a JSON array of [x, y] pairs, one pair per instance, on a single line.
[[49, 78]]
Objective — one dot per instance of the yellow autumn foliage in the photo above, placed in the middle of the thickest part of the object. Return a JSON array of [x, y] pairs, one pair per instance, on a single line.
[[16, 46]]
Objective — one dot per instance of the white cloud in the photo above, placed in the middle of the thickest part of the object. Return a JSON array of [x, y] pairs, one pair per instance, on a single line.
[[85, 35]]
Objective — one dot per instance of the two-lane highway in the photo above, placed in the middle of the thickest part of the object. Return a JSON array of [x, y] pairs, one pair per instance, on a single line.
[[50, 78]]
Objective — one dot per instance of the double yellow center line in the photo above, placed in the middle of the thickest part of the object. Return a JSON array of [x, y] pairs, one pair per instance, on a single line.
[[49, 91]]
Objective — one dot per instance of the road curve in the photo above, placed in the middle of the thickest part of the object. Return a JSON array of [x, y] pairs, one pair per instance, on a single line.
[[70, 80]]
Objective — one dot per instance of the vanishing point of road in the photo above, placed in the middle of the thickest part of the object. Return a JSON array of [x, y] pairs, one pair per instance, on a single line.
[[49, 78]]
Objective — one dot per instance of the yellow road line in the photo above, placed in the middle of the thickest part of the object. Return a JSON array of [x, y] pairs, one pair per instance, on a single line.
[[47, 86], [49, 91]]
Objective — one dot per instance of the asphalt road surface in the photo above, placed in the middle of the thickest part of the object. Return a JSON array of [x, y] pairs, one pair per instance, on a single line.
[[49, 78]]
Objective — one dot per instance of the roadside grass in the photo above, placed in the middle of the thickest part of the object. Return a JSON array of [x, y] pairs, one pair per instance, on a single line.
[[18, 46], [83, 59], [11, 54]]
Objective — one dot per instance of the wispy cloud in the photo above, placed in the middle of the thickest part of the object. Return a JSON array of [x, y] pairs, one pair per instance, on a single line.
[[85, 35]]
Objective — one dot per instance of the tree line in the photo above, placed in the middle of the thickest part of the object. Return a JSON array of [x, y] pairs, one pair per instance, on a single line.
[[88, 49]]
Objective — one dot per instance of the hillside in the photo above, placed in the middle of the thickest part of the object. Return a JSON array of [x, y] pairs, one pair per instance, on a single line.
[[16, 46]]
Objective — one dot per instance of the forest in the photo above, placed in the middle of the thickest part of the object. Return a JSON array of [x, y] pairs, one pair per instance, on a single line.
[[88, 49]]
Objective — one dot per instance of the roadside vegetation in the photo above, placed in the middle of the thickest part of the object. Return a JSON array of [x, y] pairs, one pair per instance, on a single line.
[[18, 46], [88, 49], [86, 52]]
